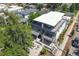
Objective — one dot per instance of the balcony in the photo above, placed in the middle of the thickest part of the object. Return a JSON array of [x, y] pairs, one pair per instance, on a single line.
[[36, 25], [47, 27], [47, 38], [47, 42], [35, 33], [49, 35]]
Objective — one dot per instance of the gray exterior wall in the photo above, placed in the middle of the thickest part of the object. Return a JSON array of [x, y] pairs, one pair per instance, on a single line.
[[47, 32]]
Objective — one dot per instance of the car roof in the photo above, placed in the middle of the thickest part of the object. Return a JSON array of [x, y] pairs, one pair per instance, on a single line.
[[77, 38]]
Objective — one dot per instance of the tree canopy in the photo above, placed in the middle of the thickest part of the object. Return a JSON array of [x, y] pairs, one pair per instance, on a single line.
[[33, 15], [72, 8], [39, 6], [15, 37], [65, 8]]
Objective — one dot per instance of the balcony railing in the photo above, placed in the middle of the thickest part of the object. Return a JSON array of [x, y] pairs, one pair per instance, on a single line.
[[35, 33], [47, 38], [36, 25]]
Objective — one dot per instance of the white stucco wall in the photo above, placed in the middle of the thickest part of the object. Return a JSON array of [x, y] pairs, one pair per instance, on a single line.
[[61, 30]]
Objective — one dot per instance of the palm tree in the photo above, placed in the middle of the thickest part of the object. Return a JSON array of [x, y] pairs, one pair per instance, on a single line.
[[17, 35]]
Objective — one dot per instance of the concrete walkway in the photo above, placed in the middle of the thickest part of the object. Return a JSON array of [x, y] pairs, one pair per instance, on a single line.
[[36, 49]]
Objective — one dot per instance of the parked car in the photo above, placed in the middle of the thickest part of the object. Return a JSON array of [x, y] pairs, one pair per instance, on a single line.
[[75, 42], [77, 29]]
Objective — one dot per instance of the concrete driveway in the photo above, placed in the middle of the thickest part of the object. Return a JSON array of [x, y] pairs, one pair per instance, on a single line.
[[36, 49]]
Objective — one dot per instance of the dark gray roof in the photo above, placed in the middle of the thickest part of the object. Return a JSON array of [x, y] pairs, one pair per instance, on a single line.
[[27, 11]]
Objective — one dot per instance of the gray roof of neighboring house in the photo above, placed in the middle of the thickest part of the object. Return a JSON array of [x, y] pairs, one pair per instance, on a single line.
[[27, 11]]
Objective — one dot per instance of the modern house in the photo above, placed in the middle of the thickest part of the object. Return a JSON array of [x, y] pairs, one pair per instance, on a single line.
[[49, 26], [23, 13]]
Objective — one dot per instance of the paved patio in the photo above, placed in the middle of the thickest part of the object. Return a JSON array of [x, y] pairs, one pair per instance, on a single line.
[[36, 49]]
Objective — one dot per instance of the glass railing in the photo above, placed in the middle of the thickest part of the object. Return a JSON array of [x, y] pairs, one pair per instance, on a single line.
[[47, 37], [36, 25], [37, 29]]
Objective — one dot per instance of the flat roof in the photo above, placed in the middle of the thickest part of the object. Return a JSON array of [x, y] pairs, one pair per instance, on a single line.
[[2, 6], [51, 18], [27, 11]]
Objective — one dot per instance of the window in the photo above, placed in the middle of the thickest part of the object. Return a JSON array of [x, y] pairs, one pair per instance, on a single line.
[[37, 23], [36, 26], [48, 26], [50, 34]]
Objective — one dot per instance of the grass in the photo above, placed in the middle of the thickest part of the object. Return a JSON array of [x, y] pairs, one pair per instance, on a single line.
[[45, 52]]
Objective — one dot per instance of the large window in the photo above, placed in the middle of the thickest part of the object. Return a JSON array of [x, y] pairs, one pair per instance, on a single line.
[[37, 23], [48, 26], [50, 34], [37, 26]]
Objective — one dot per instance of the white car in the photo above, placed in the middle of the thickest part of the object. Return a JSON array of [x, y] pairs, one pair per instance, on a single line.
[[77, 29]]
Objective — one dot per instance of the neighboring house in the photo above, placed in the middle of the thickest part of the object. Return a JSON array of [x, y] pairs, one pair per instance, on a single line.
[[14, 8], [49, 26], [2, 7], [25, 13], [32, 6]]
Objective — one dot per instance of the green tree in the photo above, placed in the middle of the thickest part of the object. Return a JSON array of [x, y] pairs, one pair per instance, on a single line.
[[65, 8], [77, 6], [48, 6], [39, 6], [72, 8], [44, 51], [57, 6], [17, 36], [2, 32], [24, 5], [33, 15], [16, 50], [2, 38]]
